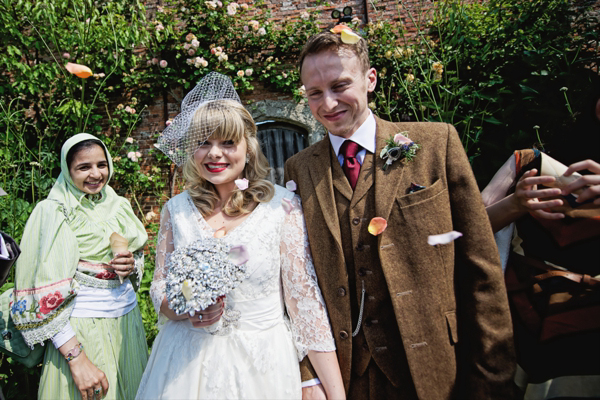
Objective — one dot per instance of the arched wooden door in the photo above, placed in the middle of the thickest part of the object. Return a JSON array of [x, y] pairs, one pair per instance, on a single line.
[[279, 141]]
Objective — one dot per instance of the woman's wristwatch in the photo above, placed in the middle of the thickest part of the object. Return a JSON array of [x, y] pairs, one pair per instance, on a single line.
[[74, 352]]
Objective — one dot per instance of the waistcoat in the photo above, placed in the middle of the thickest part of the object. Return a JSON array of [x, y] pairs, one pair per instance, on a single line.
[[378, 338]]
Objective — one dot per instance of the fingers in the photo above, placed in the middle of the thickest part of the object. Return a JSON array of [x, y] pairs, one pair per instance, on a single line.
[[590, 165], [206, 321], [209, 315], [591, 185], [104, 383], [123, 264]]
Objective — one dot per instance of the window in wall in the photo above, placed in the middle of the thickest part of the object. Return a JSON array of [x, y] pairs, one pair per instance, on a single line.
[[279, 141]]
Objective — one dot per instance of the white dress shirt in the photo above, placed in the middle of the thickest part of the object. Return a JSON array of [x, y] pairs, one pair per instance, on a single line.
[[364, 136]]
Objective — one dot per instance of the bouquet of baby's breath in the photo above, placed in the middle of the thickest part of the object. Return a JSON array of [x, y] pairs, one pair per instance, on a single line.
[[203, 271]]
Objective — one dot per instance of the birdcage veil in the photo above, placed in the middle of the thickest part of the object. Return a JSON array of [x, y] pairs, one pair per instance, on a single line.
[[181, 139]]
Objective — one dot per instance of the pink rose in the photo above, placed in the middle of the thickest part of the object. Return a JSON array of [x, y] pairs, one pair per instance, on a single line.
[[400, 139], [50, 302], [66, 55], [191, 52], [129, 140], [106, 275], [154, 61], [163, 64]]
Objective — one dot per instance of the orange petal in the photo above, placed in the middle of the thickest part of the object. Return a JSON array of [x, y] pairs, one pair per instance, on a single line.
[[219, 233], [377, 226], [339, 28], [79, 70]]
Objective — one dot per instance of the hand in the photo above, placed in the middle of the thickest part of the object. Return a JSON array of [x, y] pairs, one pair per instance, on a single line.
[[208, 316], [88, 378], [527, 195], [315, 392], [591, 183], [123, 264]]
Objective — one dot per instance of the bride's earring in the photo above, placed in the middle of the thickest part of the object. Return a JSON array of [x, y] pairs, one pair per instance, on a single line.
[[247, 158]]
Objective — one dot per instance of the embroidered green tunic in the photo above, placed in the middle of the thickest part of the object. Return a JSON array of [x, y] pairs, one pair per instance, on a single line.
[[66, 232]]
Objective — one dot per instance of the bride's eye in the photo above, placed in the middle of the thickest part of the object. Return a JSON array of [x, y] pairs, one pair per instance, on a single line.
[[228, 142], [201, 143]]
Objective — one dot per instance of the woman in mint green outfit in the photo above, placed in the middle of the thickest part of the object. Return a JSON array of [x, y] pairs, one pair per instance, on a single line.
[[72, 293]]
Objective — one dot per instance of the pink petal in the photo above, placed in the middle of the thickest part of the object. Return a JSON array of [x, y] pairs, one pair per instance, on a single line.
[[291, 186], [287, 205], [401, 139], [242, 184], [377, 226], [238, 255], [443, 238]]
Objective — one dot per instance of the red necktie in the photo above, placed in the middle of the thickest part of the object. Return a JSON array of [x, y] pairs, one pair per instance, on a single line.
[[351, 166]]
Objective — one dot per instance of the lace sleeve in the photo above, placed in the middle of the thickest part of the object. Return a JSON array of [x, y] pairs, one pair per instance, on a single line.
[[164, 247], [303, 298]]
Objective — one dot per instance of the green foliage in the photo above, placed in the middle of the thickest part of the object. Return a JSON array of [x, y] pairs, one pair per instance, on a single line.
[[505, 73], [493, 69]]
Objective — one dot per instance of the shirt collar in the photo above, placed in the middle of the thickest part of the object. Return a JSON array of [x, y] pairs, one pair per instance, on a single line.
[[364, 136]]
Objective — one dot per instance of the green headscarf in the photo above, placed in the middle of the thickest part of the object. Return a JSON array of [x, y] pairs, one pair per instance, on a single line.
[[67, 227]]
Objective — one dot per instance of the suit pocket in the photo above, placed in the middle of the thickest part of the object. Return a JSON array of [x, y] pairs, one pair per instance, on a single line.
[[415, 198], [452, 326]]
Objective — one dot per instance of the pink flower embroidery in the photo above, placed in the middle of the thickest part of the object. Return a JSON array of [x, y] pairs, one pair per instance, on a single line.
[[50, 302], [106, 275]]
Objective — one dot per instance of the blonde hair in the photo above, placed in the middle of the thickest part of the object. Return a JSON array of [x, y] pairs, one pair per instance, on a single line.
[[234, 123]]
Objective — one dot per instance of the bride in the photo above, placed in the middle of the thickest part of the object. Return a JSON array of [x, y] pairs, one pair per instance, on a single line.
[[244, 346]]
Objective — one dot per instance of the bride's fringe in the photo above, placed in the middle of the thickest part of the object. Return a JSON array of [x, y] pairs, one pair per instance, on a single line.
[[236, 124]]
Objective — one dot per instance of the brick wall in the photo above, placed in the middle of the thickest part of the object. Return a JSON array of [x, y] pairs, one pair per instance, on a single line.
[[165, 106]]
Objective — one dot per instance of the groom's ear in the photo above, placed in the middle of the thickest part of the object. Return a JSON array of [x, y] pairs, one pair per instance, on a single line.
[[371, 77]]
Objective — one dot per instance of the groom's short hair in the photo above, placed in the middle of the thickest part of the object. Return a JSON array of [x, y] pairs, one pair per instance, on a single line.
[[328, 41]]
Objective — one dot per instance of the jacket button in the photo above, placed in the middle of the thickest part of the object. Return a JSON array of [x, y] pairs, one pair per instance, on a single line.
[[360, 247], [362, 272], [368, 322], [343, 335], [341, 292], [365, 347], [356, 221]]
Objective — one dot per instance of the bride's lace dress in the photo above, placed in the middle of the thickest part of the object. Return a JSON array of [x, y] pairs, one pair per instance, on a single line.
[[253, 352]]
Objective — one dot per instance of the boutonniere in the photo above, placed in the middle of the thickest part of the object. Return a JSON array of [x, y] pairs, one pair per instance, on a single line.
[[398, 147]]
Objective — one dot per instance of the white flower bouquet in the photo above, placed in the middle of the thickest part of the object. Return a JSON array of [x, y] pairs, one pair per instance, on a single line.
[[202, 272]]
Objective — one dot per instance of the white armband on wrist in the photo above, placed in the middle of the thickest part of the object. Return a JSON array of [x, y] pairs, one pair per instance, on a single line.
[[311, 382]]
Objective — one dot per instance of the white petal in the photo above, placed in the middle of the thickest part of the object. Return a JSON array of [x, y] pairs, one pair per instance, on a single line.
[[242, 184], [291, 186], [443, 238]]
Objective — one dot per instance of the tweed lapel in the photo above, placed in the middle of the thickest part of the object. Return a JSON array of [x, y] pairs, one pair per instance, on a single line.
[[320, 171], [386, 182], [339, 177], [365, 179]]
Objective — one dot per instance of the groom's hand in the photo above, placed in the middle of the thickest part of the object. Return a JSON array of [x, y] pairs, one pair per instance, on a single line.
[[315, 392]]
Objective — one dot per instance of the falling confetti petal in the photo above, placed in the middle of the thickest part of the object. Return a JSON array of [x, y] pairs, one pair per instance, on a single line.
[[377, 226], [350, 37], [291, 186], [287, 205], [219, 233], [238, 255], [443, 238], [242, 184], [79, 70], [339, 28]]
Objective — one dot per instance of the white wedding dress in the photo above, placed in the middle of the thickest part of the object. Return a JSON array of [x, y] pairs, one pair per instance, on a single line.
[[253, 351]]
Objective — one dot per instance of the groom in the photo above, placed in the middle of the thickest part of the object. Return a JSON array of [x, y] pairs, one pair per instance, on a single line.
[[410, 320]]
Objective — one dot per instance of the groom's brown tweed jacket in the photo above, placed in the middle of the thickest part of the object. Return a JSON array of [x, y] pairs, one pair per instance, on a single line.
[[450, 331]]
